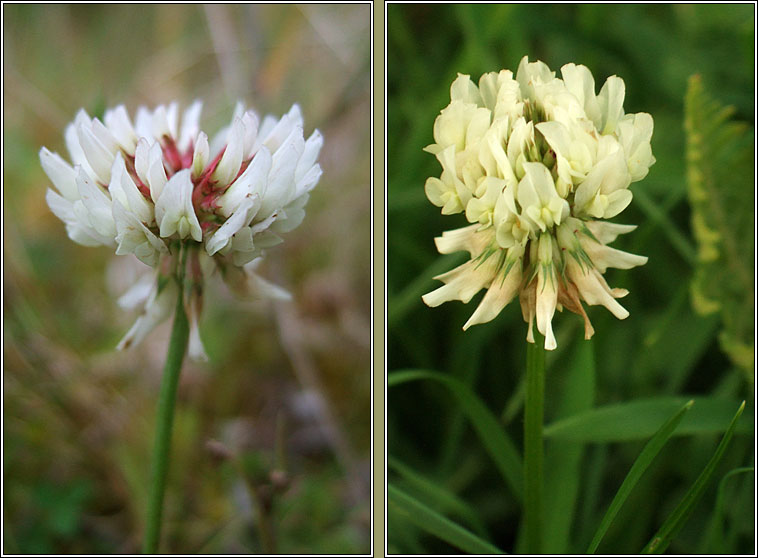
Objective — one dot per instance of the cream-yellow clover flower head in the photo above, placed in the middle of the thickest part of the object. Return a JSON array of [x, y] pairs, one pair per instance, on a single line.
[[536, 163], [150, 187]]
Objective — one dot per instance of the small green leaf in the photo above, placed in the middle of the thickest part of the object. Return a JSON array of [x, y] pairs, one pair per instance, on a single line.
[[639, 419], [432, 522], [670, 528], [493, 437], [649, 452]]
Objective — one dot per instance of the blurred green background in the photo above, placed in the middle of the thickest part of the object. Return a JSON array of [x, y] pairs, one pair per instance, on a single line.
[[287, 387], [665, 348]]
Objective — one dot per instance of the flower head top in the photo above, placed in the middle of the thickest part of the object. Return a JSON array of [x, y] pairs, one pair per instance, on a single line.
[[536, 163], [159, 185]]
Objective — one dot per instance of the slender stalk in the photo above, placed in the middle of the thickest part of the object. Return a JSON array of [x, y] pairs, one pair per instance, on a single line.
[[165, 419], [533, 446]]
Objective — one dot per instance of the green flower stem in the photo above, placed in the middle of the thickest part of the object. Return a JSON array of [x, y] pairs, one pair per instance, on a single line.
[[165, 419], [533, 446]]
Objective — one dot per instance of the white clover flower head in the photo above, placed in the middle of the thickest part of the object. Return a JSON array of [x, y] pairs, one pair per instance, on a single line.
[[537, 163], [158, 186]]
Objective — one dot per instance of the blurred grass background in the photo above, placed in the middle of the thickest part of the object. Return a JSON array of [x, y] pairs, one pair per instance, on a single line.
[[287, 387], [663, 349]]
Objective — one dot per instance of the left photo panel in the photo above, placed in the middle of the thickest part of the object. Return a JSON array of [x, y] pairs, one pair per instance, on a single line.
[[187, 278]]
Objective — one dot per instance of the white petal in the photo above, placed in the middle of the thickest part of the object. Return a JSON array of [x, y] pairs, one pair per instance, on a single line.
[[156, 172], [143, 124], [98, 205], [60, 173], [310, 154], [611, 103], [607, 232], [98, 157], [253, 181], [240, 218], [230, 162], [142, 160], [120, 126], [195, 348], [75, 149], [139, 292], [157, 310], [201, 156], [500, 293], [593, 288], [62, 208], [617, 202], [174, 212], [134, 238], [281, 184], [250, 121], [123, 188], [190, 125]]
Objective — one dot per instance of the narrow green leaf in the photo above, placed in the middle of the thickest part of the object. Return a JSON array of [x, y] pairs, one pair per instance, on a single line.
[[563, 458], [442, 498], [714, 534], [649, 452], [640, 418], [670, 528], [432, 522], [493, 437]]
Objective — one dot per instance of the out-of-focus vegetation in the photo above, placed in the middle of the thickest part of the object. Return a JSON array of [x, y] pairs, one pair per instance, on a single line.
[[287, 390], [605, 397]]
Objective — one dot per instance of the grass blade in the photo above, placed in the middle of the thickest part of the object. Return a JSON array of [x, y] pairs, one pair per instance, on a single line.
[[563, 458], [493, 437], [430, 521], [715, 533], [646, 457], [639, 419], [442, 499], [661, 540]]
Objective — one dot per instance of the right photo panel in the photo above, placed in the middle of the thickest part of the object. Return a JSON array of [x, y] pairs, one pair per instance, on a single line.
[[570, 236]]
